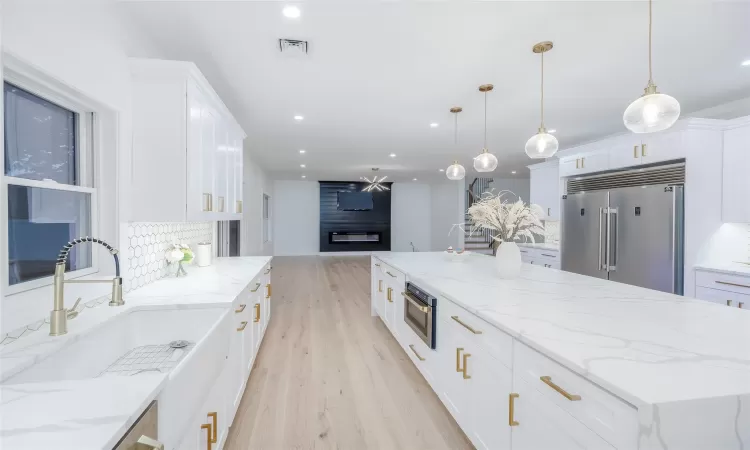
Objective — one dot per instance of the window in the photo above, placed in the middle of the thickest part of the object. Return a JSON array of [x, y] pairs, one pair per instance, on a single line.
[[45, 180], [266, 218]]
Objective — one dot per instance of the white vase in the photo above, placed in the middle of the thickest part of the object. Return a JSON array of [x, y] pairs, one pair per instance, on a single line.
[[508, 260]]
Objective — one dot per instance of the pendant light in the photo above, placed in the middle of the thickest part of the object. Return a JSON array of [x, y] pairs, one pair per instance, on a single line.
[[653, 111], [542, 144], [455, 171], [486, 161]]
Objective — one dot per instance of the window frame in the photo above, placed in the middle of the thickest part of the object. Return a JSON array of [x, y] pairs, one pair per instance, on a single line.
[[87, 130]]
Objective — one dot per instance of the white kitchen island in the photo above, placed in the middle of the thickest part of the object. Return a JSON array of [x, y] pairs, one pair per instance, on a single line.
[[555, 360]]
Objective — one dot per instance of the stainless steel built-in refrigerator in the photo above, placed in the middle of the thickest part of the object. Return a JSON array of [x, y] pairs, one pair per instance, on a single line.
[[626, 227]]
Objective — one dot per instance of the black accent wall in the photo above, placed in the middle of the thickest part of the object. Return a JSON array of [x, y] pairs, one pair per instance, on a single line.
[[333, 220]]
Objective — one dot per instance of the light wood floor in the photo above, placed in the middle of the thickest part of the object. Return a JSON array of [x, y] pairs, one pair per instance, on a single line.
[[329, 375]]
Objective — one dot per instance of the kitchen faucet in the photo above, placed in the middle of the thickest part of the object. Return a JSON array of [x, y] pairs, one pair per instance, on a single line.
[[58, 323]]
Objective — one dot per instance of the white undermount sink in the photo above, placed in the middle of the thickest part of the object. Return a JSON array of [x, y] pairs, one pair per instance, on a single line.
[[91, 354]]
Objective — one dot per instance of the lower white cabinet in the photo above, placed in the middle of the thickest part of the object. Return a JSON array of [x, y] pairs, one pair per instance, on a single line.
[[489, 388], [540, 257], [540, 424]]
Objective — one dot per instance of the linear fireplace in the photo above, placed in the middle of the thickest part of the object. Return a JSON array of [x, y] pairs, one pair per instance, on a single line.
[[354, 237], [353, 229]]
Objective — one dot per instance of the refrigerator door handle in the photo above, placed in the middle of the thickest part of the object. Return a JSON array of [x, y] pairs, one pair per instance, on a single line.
[[612, 239], [601, 214]]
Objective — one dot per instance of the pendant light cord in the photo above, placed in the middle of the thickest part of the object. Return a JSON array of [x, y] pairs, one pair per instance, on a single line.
[[455, 130], [542, 101], [485, 119], [650, 76]]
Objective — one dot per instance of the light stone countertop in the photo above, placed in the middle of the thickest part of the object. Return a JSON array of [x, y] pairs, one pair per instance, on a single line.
[[540, 245], [94, 413], [645, 346], [732, 268]]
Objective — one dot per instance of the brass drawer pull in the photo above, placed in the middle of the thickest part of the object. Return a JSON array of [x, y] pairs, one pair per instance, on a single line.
[[644, 147], [221, 204], [208, 202], [214, 430], [242, 326], [729, 303], [466, 326], [150, 443], [458, 359], [267, 271], [240, 309], [635, 151], [583, 162], [380, 285], [512, 409], [577, 163], [466, 356], [741, 305], [257, 312], [394, 276], [411, 346], [548, 381], [389, 296], [424, 309], [733, 284], [268, 287], [207, 427], [239, 206], [257, 286], [547, 254]]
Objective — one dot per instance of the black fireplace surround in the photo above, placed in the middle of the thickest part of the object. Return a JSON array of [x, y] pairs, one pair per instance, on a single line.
[[354, 231]]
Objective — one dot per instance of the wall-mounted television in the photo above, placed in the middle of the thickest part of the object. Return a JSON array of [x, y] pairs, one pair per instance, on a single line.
[[354, 201]]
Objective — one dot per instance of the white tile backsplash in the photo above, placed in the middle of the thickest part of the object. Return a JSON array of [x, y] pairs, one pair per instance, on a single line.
[[552, 232]]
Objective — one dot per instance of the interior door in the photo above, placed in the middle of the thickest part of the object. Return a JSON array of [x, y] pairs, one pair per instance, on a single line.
[[583, 233], [645, 237]]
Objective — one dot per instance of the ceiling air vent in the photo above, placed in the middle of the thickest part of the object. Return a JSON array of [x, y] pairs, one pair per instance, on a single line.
[[293, 46]]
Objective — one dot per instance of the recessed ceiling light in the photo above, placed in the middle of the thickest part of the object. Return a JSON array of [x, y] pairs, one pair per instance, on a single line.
[[442, 170], [392, 155], [552, 131], [302, 165], [434, 125], [299, 118], [415, 179], [302, 152], [304, 176], [746, 62], [291, 12], [513, 172]]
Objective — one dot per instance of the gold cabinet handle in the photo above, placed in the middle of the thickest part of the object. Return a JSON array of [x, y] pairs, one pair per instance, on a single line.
[[733, 284], [548, 211], [240, 309], [239, 206], [644, 147], [729, 303], [243, 324], [390, 296], [466, 356], [257, 312], [267, 271], [548, 381], [741, 305], [380, 285], [466, 326], [208, 202], [424, 309], [221, 204], [207, 427], [150, 443], [257, 286], [512, 409], [215, 421], [577, 161], [583, 162], [268, 290], [635, 151], [458, 359], [394, 276], [411, 346]]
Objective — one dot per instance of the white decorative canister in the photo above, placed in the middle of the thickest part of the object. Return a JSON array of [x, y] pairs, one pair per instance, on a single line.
[[508, 260], [203, 255]]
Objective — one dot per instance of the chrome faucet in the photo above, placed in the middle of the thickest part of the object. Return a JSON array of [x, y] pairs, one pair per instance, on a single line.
[[58, 323]]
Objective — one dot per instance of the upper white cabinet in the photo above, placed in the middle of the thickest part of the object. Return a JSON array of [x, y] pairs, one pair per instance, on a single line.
[[582, 163], [736, 187], [636, 149], [187, 147], [545, 188]]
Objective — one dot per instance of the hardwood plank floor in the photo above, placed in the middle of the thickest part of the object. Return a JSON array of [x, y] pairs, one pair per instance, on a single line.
[[330, 376]]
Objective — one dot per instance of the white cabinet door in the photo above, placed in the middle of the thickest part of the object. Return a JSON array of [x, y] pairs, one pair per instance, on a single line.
[[663, 146], [267, 300], [201, 144], [736, 182], [543, 425], [624, 151], [453, 388], [584, 163], [237, 167], [389, 307], [491, 383], [236, 368], [248, 345], [220, 172], [545, 190]]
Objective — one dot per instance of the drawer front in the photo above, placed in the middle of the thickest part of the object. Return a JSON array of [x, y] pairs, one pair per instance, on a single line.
[[394, 277], [722, 281], [470, 327], [608, 416], [726, 298]]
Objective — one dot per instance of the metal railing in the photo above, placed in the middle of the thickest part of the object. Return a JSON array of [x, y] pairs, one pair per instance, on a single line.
[[473, 194]]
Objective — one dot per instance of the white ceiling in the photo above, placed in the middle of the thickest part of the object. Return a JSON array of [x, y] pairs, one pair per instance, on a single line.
[[378, 73]]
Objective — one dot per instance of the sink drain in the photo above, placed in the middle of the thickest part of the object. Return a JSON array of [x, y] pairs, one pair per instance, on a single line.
[[179, 344]]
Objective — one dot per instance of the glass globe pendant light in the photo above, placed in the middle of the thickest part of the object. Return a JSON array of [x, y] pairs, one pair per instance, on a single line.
[[455, 171], [542, 144], [653, 111], [486, 161]]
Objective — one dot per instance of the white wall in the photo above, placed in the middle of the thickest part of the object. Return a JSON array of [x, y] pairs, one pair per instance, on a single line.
[[730, 110], [411, 207], [255, 183], [519, 186], [80, 45], [445, 212], [296, 221]]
